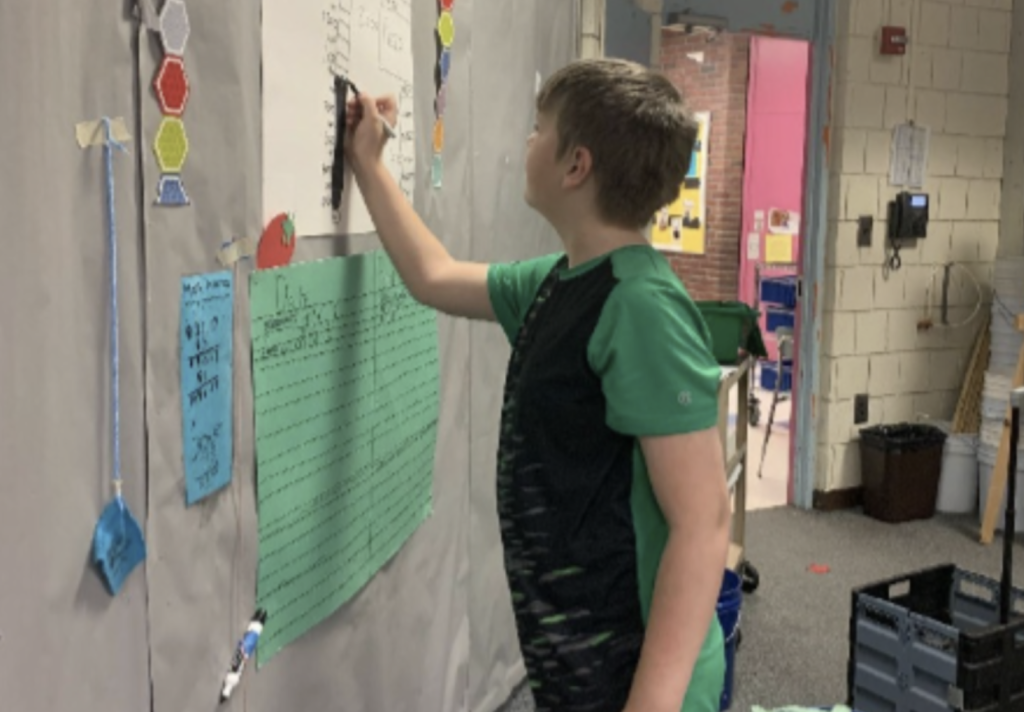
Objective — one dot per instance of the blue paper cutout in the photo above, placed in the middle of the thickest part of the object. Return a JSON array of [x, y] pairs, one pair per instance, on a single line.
[[446, 65], [171, 191], [117, 545], [439, 101], [207, 305], [437, 171]]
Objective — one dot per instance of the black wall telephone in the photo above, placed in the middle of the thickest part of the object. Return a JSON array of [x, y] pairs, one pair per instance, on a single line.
[[908, 220]]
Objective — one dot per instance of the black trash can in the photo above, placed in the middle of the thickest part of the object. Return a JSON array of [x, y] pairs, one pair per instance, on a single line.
[[900, 467]]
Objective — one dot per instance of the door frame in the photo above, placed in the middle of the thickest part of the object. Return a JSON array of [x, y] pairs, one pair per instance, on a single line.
[[748, 266], [803, 458], [804, 454], [806, 401]]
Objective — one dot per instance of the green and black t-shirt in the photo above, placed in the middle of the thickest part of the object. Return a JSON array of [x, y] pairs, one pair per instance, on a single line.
[[603, 353]]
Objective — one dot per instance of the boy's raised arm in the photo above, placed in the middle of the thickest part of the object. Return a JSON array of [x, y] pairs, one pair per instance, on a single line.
[[432, 275]]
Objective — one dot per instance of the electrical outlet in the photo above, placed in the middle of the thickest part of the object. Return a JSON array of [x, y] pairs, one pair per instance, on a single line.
[[865, 227], [860, 409]]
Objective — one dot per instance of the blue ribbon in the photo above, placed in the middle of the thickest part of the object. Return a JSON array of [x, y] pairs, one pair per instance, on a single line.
[[115, 366]]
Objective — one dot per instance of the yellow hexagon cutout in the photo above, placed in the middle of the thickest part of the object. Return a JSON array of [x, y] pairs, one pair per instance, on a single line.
[[446, 29], [171, 145]]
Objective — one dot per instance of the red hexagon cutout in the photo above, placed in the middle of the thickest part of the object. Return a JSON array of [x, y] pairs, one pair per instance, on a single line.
[[171, 85]]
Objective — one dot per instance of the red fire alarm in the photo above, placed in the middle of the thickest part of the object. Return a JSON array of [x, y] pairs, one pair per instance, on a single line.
[[894, 40]]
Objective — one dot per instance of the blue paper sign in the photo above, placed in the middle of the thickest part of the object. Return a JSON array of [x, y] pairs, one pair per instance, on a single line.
[[117, 545], [207, 305]]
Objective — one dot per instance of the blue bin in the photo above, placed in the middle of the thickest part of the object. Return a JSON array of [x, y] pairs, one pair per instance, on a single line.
[[730, 601], [770, 375], [779, 290], [776, 318]]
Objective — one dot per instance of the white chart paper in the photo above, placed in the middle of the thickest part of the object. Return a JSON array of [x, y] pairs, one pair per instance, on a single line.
[[305, 44]]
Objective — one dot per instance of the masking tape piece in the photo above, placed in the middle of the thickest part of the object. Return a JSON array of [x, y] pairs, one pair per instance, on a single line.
[[93, 133], [148, 14], [238, 249]]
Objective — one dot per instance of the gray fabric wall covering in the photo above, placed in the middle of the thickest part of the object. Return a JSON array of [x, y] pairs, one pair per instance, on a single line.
[[513, 44], [63, 640], [433, 631]]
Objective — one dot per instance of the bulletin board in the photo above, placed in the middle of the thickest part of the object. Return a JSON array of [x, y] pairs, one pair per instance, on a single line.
[[681, 226], [433, 628]]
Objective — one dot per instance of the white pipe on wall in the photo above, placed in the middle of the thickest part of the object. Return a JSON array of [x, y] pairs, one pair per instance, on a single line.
[[656, 26], [1011, 225], [592, 14]]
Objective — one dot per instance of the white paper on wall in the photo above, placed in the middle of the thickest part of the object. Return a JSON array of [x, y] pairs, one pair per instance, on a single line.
[[909, 160], [754, 246], [305, 44]]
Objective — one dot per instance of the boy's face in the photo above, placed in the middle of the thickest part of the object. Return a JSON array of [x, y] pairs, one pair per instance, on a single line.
[[553, 184], [543, 170]]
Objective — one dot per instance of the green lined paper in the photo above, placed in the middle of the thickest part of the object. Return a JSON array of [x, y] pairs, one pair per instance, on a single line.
[[345, 380]]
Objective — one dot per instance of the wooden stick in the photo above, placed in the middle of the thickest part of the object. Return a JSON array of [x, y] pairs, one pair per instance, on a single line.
[[996, 490], [967, 418]]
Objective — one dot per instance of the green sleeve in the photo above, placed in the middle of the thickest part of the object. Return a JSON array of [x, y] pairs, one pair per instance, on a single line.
[[651, 350], [513, 286]]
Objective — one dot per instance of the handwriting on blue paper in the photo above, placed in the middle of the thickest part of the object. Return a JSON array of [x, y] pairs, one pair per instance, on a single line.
[[207, 306], [117, 545]]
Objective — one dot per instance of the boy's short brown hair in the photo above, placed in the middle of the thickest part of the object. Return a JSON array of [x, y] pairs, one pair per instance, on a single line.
[[635, 125]]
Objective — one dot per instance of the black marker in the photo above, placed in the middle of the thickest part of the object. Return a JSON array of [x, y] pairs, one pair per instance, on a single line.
[[341, 87], [338, 166]]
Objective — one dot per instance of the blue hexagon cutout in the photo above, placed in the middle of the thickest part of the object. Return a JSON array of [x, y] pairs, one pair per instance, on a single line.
[[174, 27]]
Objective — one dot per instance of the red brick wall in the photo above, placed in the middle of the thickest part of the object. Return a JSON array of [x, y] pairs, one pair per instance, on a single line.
[[718, 85]]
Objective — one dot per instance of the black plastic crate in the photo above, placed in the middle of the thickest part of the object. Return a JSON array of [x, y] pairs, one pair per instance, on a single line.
[[931, 642]]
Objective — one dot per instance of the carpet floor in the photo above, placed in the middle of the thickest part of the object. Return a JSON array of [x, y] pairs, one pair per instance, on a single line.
[[796, 625]]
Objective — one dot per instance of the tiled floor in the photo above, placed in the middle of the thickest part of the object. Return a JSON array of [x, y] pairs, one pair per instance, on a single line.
[[770, 489]]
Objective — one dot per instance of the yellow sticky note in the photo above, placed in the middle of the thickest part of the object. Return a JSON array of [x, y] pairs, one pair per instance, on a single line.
[[778, 249]]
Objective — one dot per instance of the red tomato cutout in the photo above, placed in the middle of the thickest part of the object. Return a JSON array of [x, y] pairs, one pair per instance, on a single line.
[[277, 245]]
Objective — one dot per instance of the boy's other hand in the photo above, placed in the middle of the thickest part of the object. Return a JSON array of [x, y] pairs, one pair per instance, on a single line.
[[365, 136]]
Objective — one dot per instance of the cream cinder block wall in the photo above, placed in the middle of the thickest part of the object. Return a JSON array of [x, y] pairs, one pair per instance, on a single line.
[[953, 79]]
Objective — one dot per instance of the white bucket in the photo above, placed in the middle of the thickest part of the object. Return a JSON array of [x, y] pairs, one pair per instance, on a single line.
[[985, 480], [958, 483]]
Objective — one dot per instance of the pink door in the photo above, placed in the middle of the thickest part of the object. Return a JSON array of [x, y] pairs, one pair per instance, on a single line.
[[773, 187]]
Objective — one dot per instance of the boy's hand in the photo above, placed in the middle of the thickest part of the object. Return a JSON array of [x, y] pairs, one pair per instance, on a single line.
[[365, 137]]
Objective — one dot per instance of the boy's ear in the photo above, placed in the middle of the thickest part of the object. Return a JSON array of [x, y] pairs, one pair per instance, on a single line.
[[580, 164]]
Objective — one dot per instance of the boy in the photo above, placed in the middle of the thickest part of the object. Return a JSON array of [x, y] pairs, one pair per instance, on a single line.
[[611, 485]]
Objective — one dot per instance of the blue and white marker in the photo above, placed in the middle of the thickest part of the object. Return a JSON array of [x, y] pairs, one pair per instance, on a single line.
[[246, 647]]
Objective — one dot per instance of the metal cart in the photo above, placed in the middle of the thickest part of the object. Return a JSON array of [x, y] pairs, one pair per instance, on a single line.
[[737, 378], [788, 270]]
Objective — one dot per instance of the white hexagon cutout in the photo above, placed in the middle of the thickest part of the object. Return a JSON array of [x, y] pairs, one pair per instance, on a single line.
[[174, 27]]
